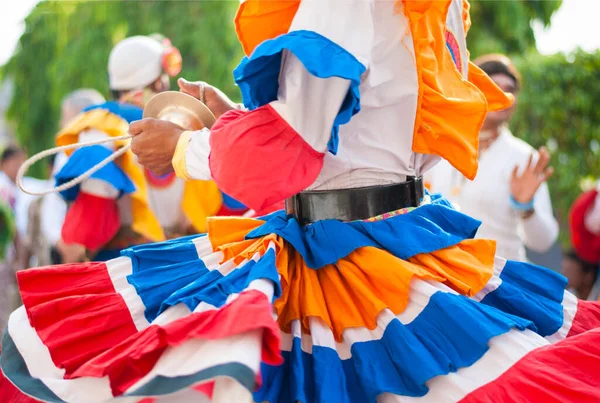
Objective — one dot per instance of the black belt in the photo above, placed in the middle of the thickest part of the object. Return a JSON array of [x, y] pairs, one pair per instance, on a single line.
[[355, 204]]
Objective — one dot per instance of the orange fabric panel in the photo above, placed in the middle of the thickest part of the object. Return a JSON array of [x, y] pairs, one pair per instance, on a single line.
[[466, 16], [98, 119], [466, 267], [355, 290], [259, 20], [229, 230], [450, 109], [496, 98]]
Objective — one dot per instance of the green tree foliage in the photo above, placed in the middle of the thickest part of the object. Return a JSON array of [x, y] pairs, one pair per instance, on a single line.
[[504, 26], [558, 107], [66, 46]]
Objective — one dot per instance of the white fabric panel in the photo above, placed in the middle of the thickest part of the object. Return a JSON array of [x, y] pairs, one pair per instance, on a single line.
[[308, 103], [494, 282], [166, 203], [505, 351], [196, 155], [118, 270], [454, 23], [375, 147], [100, 188], [352, 28], [33, 351], [569, 304]]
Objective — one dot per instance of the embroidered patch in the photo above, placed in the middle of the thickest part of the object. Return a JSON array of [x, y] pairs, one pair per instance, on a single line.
[[454, 49]]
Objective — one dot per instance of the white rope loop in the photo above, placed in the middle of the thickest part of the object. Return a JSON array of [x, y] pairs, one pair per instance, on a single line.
[[75, 181]]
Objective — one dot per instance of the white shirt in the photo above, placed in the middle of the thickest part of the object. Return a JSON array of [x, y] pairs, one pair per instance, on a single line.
[[487, 199]]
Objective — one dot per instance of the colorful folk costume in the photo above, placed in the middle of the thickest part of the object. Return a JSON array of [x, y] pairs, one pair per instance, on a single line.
[[366, 290]]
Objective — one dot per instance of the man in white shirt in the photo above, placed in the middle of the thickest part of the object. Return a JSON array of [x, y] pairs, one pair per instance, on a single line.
[[509, 194]]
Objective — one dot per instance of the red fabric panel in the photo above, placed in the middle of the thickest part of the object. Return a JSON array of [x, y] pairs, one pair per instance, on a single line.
[[10, 394], [45, 284], [76, 329], [586, 318], [271, 209], [91, 221], [228, 212], [568, 371], [257, 158], [585, 243], [129, 361]]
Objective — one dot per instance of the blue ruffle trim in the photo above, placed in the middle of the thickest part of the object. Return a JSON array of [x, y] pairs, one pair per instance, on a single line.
[[531, 292], [258, 75], [190, 282], [85, 158], [426, 229], [128, 112], [450, 333]]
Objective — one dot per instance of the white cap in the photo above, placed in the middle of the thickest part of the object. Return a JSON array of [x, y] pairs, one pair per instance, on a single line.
[[135, 63]]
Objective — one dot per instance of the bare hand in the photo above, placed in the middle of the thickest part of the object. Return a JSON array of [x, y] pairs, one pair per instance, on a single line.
[[524, 186], [70, 253], [154, 143], [214, 98]]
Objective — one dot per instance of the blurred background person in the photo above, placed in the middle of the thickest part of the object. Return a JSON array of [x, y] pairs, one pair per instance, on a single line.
[[581, 274], [584, 228], [509, 194], [10, 161], [46, 214]]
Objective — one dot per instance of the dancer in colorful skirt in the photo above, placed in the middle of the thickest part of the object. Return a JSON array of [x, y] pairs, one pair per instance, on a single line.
[[367, 290], [124, 204]]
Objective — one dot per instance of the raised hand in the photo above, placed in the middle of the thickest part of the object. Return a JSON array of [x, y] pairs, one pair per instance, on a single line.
[[212, 97], [523, 187]]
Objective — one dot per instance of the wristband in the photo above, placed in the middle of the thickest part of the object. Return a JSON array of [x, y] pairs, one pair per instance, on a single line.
[[521, 206]]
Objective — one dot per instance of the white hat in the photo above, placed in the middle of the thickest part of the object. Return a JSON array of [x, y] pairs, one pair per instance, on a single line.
[[135, 63]]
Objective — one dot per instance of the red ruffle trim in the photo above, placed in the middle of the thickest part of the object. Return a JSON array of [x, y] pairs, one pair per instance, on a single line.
[[568, 371], [257, 158], [586, 318], [91, 221]]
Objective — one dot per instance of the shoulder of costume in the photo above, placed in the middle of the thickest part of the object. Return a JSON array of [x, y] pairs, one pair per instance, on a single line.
[[316, 33], [111, 118]]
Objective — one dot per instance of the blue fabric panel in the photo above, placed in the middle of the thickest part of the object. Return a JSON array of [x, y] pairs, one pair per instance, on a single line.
[[427, 229], [128, 112], [214, 288], [162, 253], [85, 158], [531, 292], [450, 333], [161, 269], [258, 74], [231, 203]]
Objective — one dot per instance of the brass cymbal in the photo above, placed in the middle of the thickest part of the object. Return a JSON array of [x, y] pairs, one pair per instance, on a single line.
[[181, 109]]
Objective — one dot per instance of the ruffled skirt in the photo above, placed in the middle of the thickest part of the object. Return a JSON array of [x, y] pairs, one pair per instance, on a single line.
[[406, 309]]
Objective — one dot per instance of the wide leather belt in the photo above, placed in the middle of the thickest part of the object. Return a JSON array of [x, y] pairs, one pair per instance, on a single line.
[[355, 204]]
